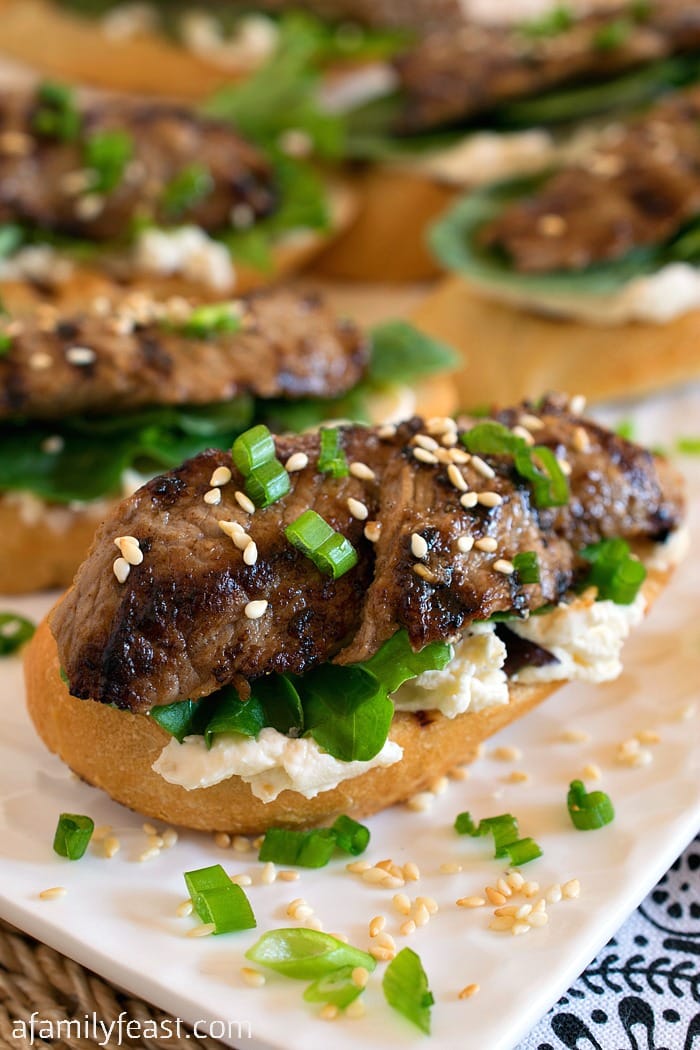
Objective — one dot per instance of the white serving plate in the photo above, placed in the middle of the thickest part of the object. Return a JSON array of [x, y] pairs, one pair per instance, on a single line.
[[118, 915]]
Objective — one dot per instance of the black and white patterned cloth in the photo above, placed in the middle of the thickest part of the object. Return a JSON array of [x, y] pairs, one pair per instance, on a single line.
[[642, 992]]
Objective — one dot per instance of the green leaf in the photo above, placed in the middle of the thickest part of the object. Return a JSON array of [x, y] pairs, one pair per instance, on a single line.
[[346, 710], [15, 631], [106, 155], [56, 114], [614, 571], [406, 988], [306, 954], [396, 662], [232, 715], [186, 190], [552, 23], [402, 353]]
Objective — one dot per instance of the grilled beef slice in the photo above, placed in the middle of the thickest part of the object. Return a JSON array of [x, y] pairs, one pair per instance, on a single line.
[[177, 627], [45, 180], [637, 191], [290, 345], [458, 73]]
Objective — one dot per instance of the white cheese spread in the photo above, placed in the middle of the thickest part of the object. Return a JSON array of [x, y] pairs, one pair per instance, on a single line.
[[486, 156], [271, 763], [36, 262], [187, 252]]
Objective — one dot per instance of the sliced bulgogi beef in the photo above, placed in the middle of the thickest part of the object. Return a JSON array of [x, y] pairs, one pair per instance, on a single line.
[[97, 168], [457, 73], [140, 354], [418, 14], [177, 627], [634, 193]]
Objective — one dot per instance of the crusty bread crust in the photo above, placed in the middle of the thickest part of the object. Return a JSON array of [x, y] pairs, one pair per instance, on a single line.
[[509, 354], [114, 750]]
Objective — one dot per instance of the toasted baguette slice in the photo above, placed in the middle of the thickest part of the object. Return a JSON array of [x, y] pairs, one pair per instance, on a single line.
[[83, 733]]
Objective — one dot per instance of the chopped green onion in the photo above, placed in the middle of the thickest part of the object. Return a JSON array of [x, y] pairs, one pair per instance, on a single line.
[[588, 809], [306, 954], [233, 715], [219, 901], [406, 988], [5, 344], [550, 487], [307, 849], [615, 573], [213, 319], [337, 988], [396, 661], [464, 825], [625, 429], [73, 834], [107, 154], [15, 630], [331, 458], [689, 446], [56, 115], [329, 550], [252, 449], [522, 851], [527, 566], [554, 22], [504, 829], [268, 483], [186, 190], [612, 35], [350, 836]]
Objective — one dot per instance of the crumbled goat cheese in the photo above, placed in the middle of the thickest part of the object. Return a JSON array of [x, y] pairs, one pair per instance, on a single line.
[[37, 262], [188, 252]]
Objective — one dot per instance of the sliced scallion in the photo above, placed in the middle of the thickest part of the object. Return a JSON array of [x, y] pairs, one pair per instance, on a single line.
[[73, 834], [549, 484], [106, 155], [307, 849], [329, 550], [212, 319], [267, 483], [522, 851], [5, 343], [504, 829], [614, 572], [15, 630], [252, 449], [306, 954], [588, 809], [337, 988], [527, 566], [406, 988], [219, 901], [350, 836], [331, 458], [56, 115]]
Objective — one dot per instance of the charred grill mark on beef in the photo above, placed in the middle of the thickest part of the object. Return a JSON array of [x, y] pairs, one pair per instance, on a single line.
[[636, 192], [289, 346], [455, 74], [176, 628], [41, 183]]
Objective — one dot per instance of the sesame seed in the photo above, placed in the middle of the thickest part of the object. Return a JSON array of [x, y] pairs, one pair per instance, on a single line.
[[419, 547], [458, 455], [571, 889], [515, 880], [507, 754], [551, 225], [362, 471], [241, 843], [376, 925], [581, 440], [468, 991], [469, 500], [357, 509], [340, 937], [269, 874], [553, 894], [487, 544], [80, 355], [575, 736], [411, 872], [231, 529], [205, 929], [121, 569], [111, 846], [539, 918], [407, 928], [459, 773], [421, 915], [423, 456], [423, 800], [495, 896], [687, 712], [254, 610], [355, 1009], [501, 923], [221, 476], [244, 502], [521, 432], [222, 840], [252, 977], [482, 467], [503, 887], [530, 422], [591, 772], [387, 431], [40, 361], [213, 497], [359, 976], [471, 902], [288, 875], [577, 404], [250, 553], [564, 466], [358, 866], [329, 1012], [297, 461], [401, 903], [242, 880], [425, 573], [372, 531], [303, 912], [456, 478], [89, 206], [449, 439], [530, 889], [426, 442], [184, 909], [53, 444], [465, 544], [648, 736], [53, 893], [381, 954], [373, 875], [385, 940], [518, 776], [149, 854], [490, 499], [519, 928], [504, 566]]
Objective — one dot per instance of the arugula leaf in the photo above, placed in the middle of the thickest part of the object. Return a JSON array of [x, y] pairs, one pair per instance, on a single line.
[[396, 662], [402, 352], [347, 711], [614, 571]]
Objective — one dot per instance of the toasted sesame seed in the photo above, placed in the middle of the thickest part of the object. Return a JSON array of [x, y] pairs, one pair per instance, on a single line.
[[468, 991], [423, 456], [487, 544], [355, 1009], [357, 509], [424, 572], [482, 467], [359, 976], [329, 1012], [490, 499], [421, 802], [575, 736], [297, 461], [515, 880], [376, 925], [411, 872], [121, 569], [551, 225], [537, 919], [421, 915], [465, 544], [80, 355], [53, 893], [507, 754], [521, 432], [149, 854], [373, 875], [213, 497], [250, 553], [456, 477], [221, 476], [430, 903], [242, 880], [530, 422], [254, 610], [439, 785], [591, 772], [530, 889], [268, 874], [505, 567], [401, 903], [252, 977], [380, 953], [577, 404], [501, 923], [426, 442], [471, 902], [244, 502], [648, 736], [362, 471], [184, 909], [571, 889], [222, 840], [580, 440], [553, 894], [495, 896], [458, 455], [407, 928], [288, 875], [40, 361], [419, 547], [520, 927], [372, 531], [387, 431], [111, 846], [503, 887], [358, 866], [469, 500], [205, 929]]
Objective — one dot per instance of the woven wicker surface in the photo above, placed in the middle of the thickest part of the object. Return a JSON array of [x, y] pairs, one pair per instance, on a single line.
[[34, 977]]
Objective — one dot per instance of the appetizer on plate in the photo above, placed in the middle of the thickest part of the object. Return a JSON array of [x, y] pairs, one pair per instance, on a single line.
[[354, 612], [148, 189], [91, 402]]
